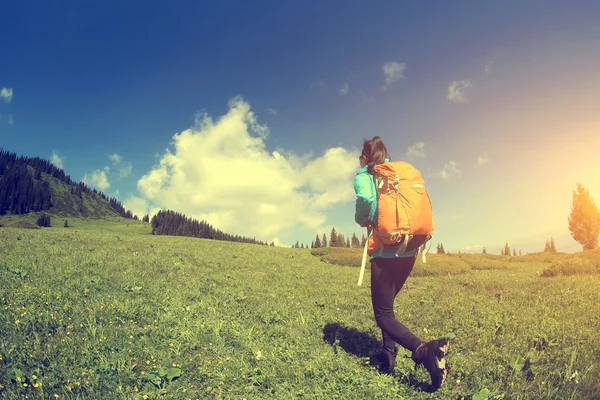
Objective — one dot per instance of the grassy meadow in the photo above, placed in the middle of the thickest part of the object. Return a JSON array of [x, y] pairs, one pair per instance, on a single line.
[[103, 309]]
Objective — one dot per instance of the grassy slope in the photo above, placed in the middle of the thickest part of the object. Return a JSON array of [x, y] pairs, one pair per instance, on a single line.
[[66, 204], [100, 306]]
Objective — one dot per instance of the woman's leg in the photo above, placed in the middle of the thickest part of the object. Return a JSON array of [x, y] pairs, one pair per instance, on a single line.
[[388, 275]]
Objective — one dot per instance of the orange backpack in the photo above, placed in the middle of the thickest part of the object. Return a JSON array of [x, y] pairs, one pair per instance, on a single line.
[[404, 212]]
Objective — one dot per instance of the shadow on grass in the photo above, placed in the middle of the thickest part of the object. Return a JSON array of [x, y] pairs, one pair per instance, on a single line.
[[351, 340], [363, 344]]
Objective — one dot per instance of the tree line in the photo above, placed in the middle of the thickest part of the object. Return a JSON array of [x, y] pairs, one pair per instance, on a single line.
[[176, 224], [22, 189], [336, 239]]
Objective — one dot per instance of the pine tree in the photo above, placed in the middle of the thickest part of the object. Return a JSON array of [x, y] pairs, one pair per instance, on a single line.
[[355, 242], [506, 250], [333, 238], [317, 242], [297, 245], [584, 219], [441, 249], [552, 245], [324, 241], [348, 242], [66, 225], [312, 244], [484, 251], [363, 240], [514, 252]]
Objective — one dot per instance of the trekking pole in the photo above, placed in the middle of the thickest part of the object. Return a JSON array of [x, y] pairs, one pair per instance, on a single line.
[[364, 258]]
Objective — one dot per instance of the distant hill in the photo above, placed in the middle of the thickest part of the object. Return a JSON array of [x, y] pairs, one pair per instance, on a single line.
[[34, 185]]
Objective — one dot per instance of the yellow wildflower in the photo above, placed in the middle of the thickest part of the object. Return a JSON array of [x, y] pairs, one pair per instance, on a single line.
[[33, 377], [17, 322], [145, 397]]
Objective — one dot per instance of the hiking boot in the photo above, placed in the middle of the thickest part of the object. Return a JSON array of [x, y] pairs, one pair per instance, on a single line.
[[431, 356], [385, 360]]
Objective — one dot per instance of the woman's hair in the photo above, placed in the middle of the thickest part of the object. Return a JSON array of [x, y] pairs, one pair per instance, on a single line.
[[374, 152]]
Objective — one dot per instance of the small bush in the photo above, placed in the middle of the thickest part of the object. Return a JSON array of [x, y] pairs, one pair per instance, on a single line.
[[572, 265], [44, 220]]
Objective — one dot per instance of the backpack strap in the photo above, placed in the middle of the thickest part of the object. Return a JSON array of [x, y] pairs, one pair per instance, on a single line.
[[364, 259]]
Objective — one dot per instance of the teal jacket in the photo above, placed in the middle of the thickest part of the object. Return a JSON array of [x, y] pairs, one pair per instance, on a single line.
[[366, 210]]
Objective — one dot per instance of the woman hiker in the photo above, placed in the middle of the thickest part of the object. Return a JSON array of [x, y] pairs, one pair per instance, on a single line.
[[389, 271]]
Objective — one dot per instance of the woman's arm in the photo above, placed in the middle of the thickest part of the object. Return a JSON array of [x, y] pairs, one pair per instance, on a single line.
[[363, 187]]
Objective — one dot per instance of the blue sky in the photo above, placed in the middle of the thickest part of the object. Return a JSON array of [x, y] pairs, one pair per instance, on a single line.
[[251, 114]]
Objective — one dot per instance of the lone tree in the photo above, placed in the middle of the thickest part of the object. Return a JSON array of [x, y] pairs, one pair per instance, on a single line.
[[584, 220], [506, 250], [440, 249]]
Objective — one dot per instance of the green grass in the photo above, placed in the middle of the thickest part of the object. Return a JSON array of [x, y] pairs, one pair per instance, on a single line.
[[436, 265], [104, 310]]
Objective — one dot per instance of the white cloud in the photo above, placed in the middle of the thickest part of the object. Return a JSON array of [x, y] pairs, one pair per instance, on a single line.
[[115, 158], [450, 170], [474, 247], [139, 206], [417, 150], [6, 94], [457, 91], [278, 242], [488, 67], [344, 90], [393, 72], [57, 160], [484, 159], [97, 179], [221, 172], [272, 111]]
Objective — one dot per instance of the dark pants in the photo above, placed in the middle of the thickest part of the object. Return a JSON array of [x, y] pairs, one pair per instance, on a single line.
[[387, 278]]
